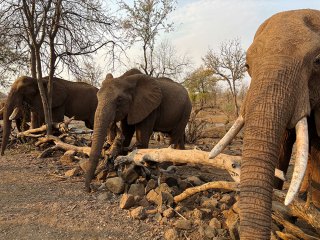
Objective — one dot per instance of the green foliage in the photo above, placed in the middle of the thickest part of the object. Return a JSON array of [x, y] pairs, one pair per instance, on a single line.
[[201, 84]]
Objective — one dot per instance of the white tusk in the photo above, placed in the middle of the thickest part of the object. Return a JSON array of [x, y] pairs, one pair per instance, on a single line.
[[14, 114], [302, 145], [233, 131]]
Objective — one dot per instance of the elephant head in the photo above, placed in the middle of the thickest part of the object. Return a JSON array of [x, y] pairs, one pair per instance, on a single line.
[[23, 89], [24, 93], [130, 97], [284, 64]]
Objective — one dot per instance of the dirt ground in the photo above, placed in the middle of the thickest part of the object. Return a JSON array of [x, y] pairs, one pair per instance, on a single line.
[[36, 204]]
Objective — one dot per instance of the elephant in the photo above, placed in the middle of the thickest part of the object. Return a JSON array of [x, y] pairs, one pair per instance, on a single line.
[[282, 103], [21, 118], [142, 104], [72, 99]]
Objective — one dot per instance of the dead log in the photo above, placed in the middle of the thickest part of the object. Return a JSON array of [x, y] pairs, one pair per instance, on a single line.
[[194, 156], [298, 208], [63, 146], [292, 229], [231, 186], [40, 131], [286, 236]]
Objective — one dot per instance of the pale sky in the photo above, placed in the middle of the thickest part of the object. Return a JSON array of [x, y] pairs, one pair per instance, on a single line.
[[200, 24]]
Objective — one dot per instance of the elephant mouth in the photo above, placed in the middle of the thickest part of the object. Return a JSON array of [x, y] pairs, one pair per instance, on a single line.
[[302, 144]]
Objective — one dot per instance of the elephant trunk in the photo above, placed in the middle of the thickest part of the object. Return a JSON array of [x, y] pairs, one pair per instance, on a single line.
[[7, 111], [267, 115], [102, 120]]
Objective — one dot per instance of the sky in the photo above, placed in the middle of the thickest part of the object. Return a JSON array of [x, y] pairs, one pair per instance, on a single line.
[[203, 24]]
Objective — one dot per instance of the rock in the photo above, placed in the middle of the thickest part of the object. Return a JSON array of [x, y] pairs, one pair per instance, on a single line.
[[215, 223], [183, 224], [236, 208], [184, 184], [127, 201], [207, 231], [104, 196], [102, 175], [72, 172], [130, 174], [139, 213], [207, 212], [160, 196], [168, 213], [137, 198], [171, 181], [136, 189], [197, 215], [152, 184], [84, 164], [68, 157], [226, 198], [171, 234], [144, 202], [232, 222], [195, 181], [158, 217], [209, 203], [115, 185]]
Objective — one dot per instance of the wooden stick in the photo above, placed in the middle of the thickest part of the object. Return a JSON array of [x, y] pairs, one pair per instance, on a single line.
[[293, 229], [297, 208], [286, 236], [233, 186], [64, 146]]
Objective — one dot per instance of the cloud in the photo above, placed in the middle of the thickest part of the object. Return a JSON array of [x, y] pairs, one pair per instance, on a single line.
[[200, 24]]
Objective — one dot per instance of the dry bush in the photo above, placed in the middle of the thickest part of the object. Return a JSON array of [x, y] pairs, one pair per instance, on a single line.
[[195, 127]]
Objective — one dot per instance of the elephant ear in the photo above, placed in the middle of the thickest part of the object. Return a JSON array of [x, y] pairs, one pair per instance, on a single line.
[[146, 98]]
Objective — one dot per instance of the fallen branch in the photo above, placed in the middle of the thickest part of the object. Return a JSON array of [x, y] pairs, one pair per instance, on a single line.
[[232, 186], [63, 146], [61, 127], [293, 229], [194, 156], [286, 236], [298, 208]]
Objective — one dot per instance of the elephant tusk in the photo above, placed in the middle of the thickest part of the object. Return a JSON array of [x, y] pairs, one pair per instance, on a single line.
[[14, 114], [300, 165], [233, 131]]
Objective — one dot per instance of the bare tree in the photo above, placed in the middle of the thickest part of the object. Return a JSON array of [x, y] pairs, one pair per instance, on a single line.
[[228, 65], [144, 21], [56, 33], [167, 61], [91, 74]]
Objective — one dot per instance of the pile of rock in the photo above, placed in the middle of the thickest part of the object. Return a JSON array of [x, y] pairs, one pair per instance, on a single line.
[[206, 215]]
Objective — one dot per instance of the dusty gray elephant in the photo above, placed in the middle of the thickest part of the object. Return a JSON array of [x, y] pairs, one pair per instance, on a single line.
[[143, 104], [72, 99], [284, 64]]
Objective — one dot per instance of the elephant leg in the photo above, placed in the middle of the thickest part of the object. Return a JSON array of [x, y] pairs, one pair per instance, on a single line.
[[285, 154], [127, 131], [177, 135], [144, 131]]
